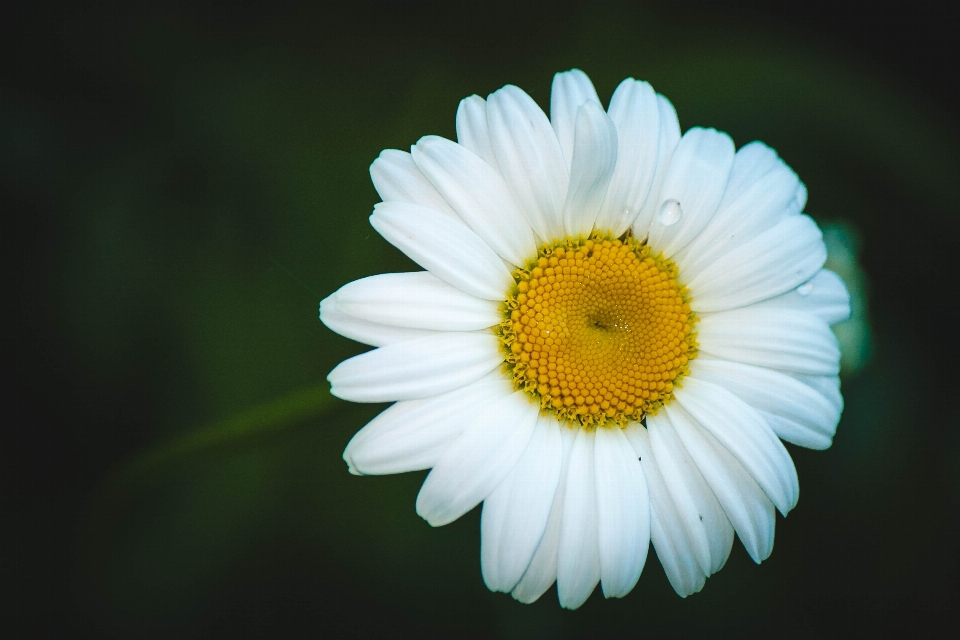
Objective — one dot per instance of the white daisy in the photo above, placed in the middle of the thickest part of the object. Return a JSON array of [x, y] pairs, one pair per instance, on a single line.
[[616, 327]]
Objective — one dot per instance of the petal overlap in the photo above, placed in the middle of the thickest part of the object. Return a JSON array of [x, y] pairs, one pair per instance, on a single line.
[[515, 515], [446, 248], [412, 435], [594, 157], [623, 512], [578, 554], [695, 179], [746, 505], [397, 179], [364, 331], [478, 461], [774, 338], [417, 368], [478, 194], [635, 113], [530, 159], [417, 300], [667, 531]]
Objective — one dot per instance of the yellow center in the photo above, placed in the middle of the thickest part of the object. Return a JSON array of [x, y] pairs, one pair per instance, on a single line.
[[598, 331]]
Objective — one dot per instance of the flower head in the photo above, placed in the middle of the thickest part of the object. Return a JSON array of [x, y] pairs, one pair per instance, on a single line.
[[616, 327]]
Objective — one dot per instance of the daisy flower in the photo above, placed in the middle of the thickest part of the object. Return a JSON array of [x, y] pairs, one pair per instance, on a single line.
[[616, 327]]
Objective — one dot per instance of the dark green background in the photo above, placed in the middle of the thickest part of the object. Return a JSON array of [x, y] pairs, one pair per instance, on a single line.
[[182, 184]]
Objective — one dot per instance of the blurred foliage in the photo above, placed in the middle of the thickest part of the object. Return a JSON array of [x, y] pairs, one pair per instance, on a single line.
[[194, 181], [843, 258]]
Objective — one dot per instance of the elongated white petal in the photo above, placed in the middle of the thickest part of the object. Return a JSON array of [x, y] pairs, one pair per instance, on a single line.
[[772, 263], [479, 196], [796, 412], [578, 560], [703, 518], [418, 300], [417, 368], [759, 195], [542, 572], [397, 178], [695, 179], [515, 515], [753, 164], [636, 114], [779, 339], [623, 512], [827, 386], [744, 502], [569, 91], [472, 130], [667, 531], [363, 331], [594, 157], [824, 295], [472, 467], [745, 434], [413, 434], [669, 139], [446, 248], [530, 159]]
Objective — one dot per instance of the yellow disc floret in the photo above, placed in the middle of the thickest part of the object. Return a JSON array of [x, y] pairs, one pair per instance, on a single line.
[[599, 331]]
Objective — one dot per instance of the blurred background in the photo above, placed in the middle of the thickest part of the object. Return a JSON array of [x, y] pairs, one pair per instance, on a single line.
[[181, 184]]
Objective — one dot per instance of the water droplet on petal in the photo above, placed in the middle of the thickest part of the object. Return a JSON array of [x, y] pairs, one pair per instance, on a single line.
[[805, 288], [670, 213]]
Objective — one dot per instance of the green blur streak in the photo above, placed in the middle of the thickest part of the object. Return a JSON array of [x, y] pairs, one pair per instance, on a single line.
[[267, 418]]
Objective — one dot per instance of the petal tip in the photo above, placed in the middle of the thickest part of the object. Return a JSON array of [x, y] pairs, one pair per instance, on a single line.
[[351, 467]]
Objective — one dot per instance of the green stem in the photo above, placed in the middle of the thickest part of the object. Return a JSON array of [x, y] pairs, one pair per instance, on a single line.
[[256, 421]]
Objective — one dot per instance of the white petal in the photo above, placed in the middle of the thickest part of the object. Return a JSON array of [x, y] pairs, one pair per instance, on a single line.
[[530, 159], [578, 558], [796, 412], [786, 340], [668, 141], [594, 156], [479, 196], [397, 178], [799, 199], [635, 112], [774, 262], [363, 331], [707, 526], [696, 178], [758, 196], [827, 386], [824, 295], [472, 128], [446, 248], [418, 300], [417, 368], [478, 460], [744, 502], [752, 166], [515, 515], [413, 434], [623, 512], [542, 572], [745, 434], [667, 531], [570, 90]]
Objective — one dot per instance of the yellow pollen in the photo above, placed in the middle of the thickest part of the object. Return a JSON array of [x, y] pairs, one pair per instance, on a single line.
[[599, 331]]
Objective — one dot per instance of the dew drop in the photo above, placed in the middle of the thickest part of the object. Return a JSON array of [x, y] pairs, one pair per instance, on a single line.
[[670, 213], [805, 288]]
